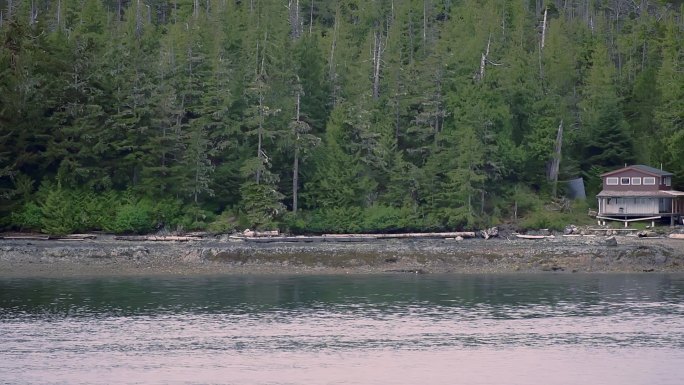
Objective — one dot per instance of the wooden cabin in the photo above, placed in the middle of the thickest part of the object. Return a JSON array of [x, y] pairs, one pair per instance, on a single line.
[[639, 192]]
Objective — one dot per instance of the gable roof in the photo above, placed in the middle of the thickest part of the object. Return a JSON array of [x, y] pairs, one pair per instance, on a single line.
[[640, 167]]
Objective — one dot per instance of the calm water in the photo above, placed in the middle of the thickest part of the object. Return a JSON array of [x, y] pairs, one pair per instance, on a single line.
[[394, 329]]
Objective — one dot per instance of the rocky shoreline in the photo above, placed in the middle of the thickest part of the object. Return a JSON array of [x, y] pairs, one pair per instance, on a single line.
[[108, 256]]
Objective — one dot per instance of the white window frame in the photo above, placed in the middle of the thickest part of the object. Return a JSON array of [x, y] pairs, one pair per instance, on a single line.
[[612, 181], [623, 179], [636, 181], [649, 180], [668, 181]]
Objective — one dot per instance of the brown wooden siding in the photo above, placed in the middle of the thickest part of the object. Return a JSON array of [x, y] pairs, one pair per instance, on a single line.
[[631, 173]]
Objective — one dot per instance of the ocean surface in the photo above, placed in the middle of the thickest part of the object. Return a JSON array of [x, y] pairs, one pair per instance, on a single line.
[[373, 329]]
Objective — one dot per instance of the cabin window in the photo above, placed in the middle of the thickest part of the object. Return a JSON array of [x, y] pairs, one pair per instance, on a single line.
[[649, 180], [611, 181], [636, 181], [624, 181], [668, 181]]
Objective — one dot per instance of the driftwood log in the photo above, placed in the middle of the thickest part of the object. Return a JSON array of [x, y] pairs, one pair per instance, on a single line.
[[157, 238]]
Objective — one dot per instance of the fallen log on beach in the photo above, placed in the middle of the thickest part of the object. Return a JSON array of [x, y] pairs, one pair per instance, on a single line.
[[157, 238], [524, 236], [462, 234], [353, 237], [29, 237], [74, 237]]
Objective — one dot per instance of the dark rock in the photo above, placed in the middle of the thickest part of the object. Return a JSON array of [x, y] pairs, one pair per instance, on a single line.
[[660, 259], [571, 229], [610, 241]]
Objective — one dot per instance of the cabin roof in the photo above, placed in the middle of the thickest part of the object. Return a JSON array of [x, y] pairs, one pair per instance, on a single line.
[[640, 194], [640, 167]]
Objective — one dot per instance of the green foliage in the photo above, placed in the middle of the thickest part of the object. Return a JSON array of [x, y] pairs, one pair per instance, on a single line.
[[525, 202], [545, 218], [226, 222], [30, 217], [261, 204], [550, 220], [196, 218], [59, 212], [335, 220], [386, 219], [375, 219], [133, 218], [168, 213], [165, 116]]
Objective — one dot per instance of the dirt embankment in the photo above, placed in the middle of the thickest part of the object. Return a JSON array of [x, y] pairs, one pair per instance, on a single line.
[[107, 256]]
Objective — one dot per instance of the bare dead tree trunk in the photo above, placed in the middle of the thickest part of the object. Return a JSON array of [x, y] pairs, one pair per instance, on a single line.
[[195, 8], [197, 174], [643, 56], [59, 14], [10, 9], [424, 25], [175, 11], [397, 117], [543, 36], [33, 17], [377, 59], [331, 71], [138, 21], [515, 210], [483, 62], [295, 22], [260, 129], [440, 113], [482, 201], [119, 10], [554, 165], [311, 17], [260, 75], [541, 64], [542, 42], [331, 62], [295, 165]]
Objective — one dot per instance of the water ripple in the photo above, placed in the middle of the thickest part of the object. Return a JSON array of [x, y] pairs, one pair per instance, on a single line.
[[70, 329]]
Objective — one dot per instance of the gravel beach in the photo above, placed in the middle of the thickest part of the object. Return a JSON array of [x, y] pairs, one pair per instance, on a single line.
[[108, 256]]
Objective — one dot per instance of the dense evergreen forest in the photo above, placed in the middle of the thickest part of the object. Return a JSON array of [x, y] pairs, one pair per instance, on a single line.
[[327, 115]]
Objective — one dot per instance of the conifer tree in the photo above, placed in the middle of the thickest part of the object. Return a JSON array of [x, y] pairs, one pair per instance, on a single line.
[[669, 115], [605, 139]]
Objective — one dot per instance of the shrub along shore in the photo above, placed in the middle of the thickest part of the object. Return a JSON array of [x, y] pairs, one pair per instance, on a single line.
[[107, 255]]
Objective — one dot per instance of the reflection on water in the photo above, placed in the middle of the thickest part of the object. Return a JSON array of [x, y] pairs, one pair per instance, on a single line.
[[515, 329]]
